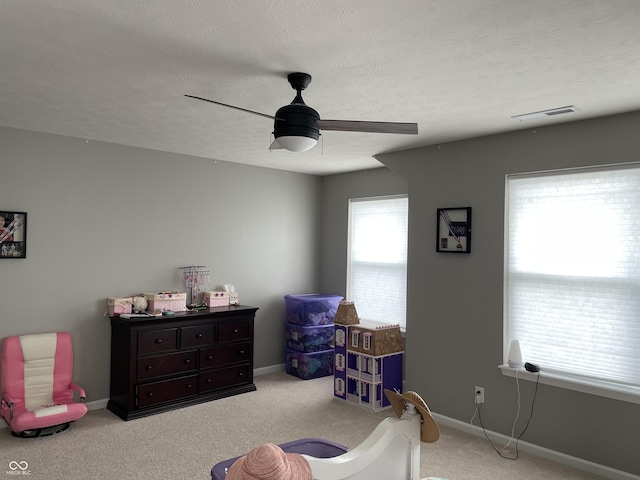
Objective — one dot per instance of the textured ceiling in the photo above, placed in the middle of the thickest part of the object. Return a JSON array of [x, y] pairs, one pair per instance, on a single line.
[[117, 71]]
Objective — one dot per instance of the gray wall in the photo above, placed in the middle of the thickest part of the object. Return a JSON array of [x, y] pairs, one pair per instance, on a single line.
[[454, 325], [336, 192], [109, 220]]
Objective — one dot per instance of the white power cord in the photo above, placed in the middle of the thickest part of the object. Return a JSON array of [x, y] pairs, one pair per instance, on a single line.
[[513, 428]]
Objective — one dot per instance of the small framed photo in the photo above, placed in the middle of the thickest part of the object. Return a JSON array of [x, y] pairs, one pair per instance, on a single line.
[[454, 230], [13, 234]]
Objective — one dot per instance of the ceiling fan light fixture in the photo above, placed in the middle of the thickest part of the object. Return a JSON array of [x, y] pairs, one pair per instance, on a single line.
[[296, 143], [296, 127]]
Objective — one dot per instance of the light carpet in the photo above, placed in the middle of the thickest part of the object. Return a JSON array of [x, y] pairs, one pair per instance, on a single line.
[[188, 442]]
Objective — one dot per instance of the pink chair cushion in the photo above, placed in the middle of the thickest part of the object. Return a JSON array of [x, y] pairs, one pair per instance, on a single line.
[[37, 375], [28, 420]]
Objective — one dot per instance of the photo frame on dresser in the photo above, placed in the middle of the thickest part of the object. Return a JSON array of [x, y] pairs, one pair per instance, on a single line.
[[453, 230], [13, 234]]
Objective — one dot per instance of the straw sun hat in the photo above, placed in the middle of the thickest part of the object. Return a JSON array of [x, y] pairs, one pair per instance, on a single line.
[[429, 431], [270, 462]]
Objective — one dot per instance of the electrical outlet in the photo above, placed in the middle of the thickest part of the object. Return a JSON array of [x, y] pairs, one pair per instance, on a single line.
[[478, 395]]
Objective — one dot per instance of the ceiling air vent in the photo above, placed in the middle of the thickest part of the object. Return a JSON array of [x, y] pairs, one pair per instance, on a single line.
[[526, 117]]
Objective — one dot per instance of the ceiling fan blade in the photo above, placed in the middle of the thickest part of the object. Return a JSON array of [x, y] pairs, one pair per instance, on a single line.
[[373, 127], [232, 106]]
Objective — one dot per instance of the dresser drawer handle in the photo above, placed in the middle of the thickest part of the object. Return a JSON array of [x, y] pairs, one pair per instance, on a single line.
[[235, 330], [158, 340], [241, 352], [199, 335], [210, 357], [189, 386], [187, 360], [241, 374], [148, 367], [150, 394], [209, 380]]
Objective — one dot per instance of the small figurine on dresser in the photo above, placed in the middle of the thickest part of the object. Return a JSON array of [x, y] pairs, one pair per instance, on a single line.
[[139, 304]]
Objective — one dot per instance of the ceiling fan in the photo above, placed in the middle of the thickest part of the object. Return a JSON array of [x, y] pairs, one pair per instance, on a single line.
[[296, 126]]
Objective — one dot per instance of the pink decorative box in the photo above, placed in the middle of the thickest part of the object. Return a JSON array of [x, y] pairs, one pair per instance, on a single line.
[[216, 299], [166, 301], [119, 305]]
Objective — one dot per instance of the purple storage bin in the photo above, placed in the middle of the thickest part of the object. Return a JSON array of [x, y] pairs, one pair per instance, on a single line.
[[312, 308], [309, 365], [309, 338], [314, 447]]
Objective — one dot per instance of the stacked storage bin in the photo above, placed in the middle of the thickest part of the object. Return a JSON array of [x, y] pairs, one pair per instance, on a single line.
[[310, 330]]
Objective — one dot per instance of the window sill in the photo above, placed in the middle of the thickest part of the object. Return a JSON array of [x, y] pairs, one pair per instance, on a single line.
[[594, 387]]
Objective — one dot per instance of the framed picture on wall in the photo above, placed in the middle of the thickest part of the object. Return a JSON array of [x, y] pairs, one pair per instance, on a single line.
[[13, 234], [454, 230]]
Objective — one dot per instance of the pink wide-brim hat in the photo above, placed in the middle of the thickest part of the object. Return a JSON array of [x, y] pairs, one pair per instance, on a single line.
[[270, 462]]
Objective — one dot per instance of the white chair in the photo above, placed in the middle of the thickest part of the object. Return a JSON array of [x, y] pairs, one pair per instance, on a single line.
[[391, 451]]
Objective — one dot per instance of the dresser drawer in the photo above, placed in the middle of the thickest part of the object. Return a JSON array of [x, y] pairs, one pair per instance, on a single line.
[[157, 341], [225, 377], [232, 331], [197, 336], [224, 355], [158, 365], [159, 392]]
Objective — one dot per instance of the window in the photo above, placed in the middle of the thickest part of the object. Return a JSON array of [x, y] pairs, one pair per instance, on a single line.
[[339, 361], [340, 386], [366, 341], [572, 284], [355, 338], [377, 264], [363, 388]]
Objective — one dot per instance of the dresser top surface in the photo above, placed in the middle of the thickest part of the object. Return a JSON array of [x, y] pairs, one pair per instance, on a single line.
[[191, 314]]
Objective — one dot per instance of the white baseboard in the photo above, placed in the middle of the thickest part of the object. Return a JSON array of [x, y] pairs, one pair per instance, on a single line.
[[97, 404], [542, 452], [102, 403], [273, 368]]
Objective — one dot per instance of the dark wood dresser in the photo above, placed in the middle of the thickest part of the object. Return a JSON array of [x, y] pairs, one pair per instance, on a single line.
[[169, 362]]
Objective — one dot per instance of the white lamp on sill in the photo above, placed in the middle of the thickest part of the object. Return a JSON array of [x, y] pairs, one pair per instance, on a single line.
[[514, 358]]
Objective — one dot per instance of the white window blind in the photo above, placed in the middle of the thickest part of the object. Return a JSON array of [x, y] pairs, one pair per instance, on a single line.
[[573, 271], [377, 270]]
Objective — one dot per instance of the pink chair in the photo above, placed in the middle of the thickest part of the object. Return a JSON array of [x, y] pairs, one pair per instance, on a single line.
[[37, 392]]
